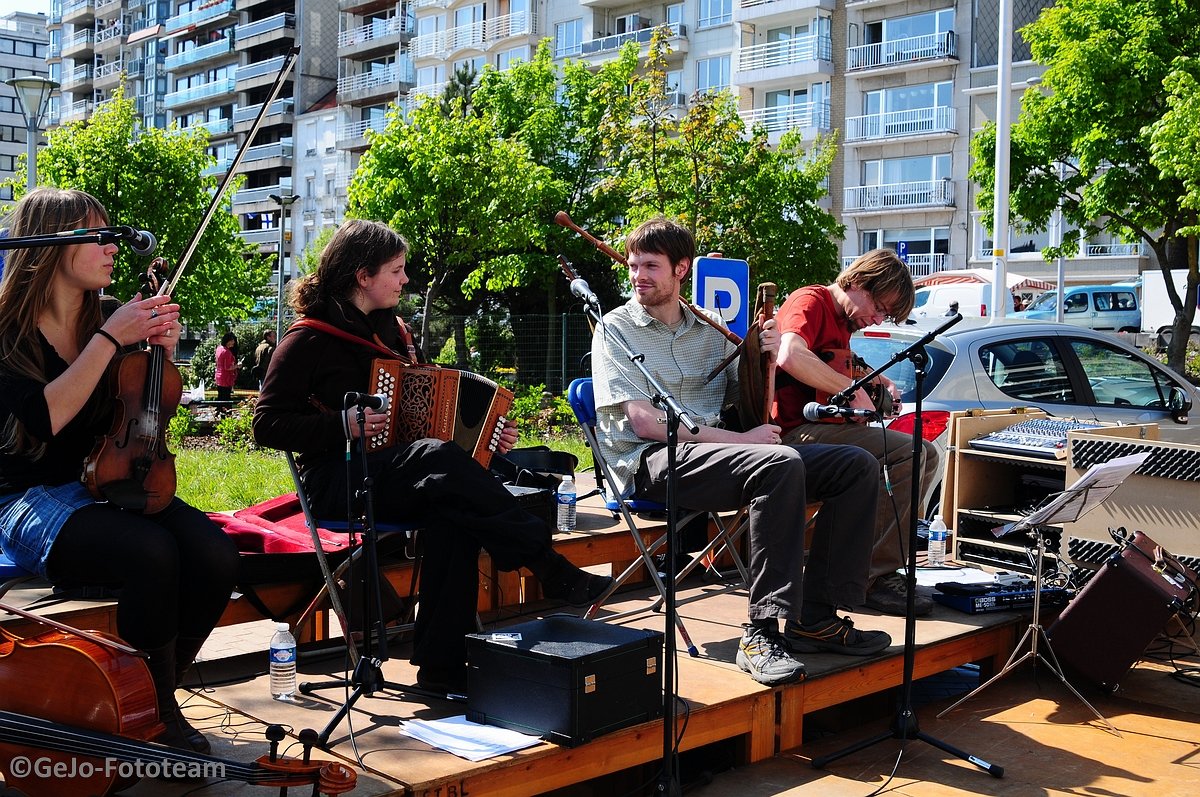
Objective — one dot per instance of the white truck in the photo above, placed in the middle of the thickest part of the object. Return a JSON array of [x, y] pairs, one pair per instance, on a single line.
[[1158, 314]]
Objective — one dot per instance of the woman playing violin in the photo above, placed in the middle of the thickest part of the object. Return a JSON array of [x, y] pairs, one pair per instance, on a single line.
[[175, 568]]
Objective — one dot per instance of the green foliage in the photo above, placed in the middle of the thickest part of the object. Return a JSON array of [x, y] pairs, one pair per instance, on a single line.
[[151, 179], [182, 425], [537, 413], [203, 365], [308, 260], [235, 430], [1117, 75]]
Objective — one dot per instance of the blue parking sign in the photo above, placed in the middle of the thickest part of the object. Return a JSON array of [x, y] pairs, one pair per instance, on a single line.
[[722, 285]]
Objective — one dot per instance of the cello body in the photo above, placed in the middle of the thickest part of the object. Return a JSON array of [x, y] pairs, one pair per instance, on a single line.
[[67, 679]]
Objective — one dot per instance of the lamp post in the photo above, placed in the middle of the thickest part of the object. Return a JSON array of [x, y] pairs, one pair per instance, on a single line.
[[1003, 145], [33, 92], [285, 201]]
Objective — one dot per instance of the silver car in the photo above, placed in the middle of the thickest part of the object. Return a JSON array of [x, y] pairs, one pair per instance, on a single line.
[[1067, 371]]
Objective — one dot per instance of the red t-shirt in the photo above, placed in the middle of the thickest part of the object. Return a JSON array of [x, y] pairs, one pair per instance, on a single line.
[[812, 314]]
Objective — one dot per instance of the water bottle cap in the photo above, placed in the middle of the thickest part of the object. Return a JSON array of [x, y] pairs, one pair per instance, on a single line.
[[283, 627]]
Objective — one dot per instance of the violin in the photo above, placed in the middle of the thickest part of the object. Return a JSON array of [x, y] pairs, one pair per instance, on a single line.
[[131, 466], [78, 713]]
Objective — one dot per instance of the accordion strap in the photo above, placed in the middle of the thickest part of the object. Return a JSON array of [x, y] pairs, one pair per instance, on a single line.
[[323, 326]]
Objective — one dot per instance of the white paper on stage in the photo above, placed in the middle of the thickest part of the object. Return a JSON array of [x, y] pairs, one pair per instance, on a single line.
[[466, 739], [1093, 487]]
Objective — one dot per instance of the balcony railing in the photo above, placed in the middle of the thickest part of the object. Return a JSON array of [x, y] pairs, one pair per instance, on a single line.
[[259, 27], [110, 69], [79, 109], [474, 35], [81, 40], [789, 117], [213, 88], [200, 16], [112, 32], [607, 44], [248, 113], [393, 75], [898, 124], [817, 47], [894, 196], [353, 130], [264, 151], [78, 75], [1115, 250], [902, 51], [373, 31], [201, 53], [250, 195], [271, 66], [219, 167], [919, 265], [217, 127], [80, 8]]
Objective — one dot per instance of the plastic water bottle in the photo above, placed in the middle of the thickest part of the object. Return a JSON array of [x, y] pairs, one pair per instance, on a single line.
[[283, 663], [936, 553], [565, 496]]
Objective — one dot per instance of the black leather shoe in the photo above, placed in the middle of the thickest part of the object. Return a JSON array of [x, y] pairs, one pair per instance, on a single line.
[[563, 581]]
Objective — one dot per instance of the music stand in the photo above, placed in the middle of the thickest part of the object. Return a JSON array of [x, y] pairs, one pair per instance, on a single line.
[[1096, 485]]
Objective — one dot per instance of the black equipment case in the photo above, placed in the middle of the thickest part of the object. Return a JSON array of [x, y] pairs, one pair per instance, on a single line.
[[1109, 624], [565, 679]]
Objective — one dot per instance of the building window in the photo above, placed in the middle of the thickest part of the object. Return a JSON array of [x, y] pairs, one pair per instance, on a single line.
[[712, 74], [568, 38], [508, 58], [715, 12]]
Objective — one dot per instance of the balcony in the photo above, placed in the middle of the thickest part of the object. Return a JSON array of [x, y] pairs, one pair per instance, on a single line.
[[106, 8], [781, 62], [363, 6], [776, 121], [916, 123], [78, 78], [761, 11], [109, 74], [278, 113], [256, 196], [274, 28], [676, 36], [354, 134], [81, 44], [111, 38], [260, 73], [195, 94], [215, 128], [371, 84], [476, 36], [79, 12], [899, 196], [1115, 250], [417, 94], [899, 54], [219, 167], [919, 265], [269, 155], [264, 236], [76, 112], [201, 16], [368, 40], [196, 55]]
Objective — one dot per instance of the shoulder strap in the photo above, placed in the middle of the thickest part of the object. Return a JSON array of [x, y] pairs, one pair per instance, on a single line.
[[322, 326]]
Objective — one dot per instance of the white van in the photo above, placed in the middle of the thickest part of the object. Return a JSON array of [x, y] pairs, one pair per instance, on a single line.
[[972, 299]]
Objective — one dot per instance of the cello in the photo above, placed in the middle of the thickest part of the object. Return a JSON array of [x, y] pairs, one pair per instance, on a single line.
[[91, 734], [131, 466]]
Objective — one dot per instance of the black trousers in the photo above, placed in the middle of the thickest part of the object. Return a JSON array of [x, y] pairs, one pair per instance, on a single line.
[[461, 508], [175, 569]]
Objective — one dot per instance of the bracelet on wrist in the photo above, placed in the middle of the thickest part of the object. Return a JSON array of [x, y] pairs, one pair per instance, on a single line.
[[116, 343]]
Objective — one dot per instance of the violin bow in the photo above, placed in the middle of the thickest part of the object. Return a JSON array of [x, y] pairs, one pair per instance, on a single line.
[[564, 220], [284, 71], [90, 637]]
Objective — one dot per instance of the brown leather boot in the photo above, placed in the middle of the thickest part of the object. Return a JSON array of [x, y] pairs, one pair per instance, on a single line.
[[178, 733]]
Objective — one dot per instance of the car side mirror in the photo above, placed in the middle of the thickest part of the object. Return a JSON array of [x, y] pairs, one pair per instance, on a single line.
[[1179, 404]]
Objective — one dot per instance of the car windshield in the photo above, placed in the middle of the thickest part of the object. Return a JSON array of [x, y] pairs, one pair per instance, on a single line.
[[878, 348], [1047, 301]]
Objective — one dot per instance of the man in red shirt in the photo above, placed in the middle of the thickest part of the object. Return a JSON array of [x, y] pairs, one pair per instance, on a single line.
[[816, 323]]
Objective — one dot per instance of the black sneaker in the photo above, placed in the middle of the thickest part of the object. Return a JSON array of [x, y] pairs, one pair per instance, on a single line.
[[834, 635], [889, 594], [764, 655]]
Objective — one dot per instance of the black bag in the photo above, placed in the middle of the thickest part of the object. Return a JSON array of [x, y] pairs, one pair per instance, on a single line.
[[534, 467]]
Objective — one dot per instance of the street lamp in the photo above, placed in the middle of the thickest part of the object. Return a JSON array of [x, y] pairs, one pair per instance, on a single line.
[[284, 202], [33, 92]]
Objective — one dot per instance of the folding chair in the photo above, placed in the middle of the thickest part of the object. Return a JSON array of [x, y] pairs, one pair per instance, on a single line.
[[583, 403]]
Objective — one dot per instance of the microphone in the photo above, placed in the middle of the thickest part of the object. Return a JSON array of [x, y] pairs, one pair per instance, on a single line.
[[142, 242], [376, 401], [815, 412], [580, 288]]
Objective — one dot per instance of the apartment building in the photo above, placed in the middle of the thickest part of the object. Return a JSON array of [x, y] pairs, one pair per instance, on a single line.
[[23, 46], [902, 83]]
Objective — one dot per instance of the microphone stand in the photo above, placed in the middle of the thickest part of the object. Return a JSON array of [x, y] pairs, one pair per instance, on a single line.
[[367, 677], [668, 784], [91, 235], [904, 725]]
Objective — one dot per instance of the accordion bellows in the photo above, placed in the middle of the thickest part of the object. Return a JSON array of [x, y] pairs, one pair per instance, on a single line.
[[442, 403]]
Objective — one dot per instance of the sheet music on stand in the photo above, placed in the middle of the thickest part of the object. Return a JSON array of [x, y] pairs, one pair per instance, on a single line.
[[1092, 489]]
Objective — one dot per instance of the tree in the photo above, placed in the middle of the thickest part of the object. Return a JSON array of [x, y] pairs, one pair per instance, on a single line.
[[739, 195], [1084, 139], [151, 179], [465, 197]]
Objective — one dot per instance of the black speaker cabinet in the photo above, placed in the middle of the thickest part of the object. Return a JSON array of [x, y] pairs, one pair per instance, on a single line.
[[565, 679], [1107, 626]]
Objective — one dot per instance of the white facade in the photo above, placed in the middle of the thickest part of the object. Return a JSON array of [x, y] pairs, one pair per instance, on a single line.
[[23, 46]]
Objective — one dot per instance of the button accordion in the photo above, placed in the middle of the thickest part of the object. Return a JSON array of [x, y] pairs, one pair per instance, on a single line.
[[442, 403]]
